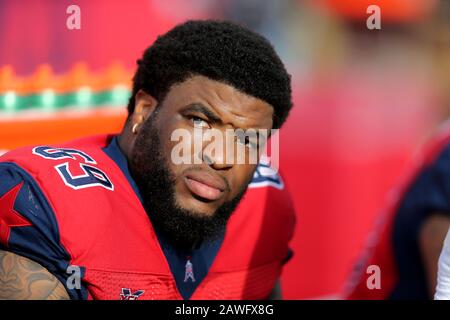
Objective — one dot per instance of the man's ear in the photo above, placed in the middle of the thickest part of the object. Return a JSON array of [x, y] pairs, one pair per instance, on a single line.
[[145, 105]]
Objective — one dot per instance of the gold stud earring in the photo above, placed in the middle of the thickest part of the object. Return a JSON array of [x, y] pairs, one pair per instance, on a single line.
[[134, 129]]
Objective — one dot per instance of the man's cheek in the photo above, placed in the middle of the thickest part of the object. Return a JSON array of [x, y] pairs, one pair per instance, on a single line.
[[241, 179], [246, 172], [179, 145], [173, 147]]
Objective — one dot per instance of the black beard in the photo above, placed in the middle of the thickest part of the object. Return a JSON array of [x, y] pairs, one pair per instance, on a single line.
[[184, 229]]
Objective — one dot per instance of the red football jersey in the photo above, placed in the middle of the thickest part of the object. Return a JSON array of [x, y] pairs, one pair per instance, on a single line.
[[80, 214]]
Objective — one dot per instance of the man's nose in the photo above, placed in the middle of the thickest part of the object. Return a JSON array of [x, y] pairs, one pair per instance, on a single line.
[[216, 157]]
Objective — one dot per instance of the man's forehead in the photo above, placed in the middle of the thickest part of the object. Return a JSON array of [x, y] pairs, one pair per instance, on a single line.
[[222, 98]]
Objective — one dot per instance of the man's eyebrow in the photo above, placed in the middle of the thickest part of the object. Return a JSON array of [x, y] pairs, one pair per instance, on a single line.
[[198, 107]]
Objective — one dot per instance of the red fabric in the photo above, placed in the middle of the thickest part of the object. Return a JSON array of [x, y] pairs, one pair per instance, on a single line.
[[108, 232]]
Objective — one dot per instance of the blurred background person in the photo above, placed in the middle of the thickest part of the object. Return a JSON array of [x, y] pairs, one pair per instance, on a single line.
[[409, 232]]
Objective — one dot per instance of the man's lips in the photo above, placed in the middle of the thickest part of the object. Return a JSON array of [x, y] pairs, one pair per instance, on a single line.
[[205, 185]]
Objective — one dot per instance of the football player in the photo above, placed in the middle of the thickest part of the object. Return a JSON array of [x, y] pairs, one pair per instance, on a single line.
[[114, 217]]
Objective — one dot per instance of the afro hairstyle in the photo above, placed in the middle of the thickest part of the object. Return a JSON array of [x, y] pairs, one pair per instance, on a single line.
[[222, 51]]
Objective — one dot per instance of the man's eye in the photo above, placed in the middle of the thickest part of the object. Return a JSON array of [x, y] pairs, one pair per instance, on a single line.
[[199, 122]]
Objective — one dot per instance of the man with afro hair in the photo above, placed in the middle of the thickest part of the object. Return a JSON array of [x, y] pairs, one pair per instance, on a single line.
[[120, 217]]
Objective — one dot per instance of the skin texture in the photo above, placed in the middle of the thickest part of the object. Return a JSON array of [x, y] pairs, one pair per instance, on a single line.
[[234, 110], [431, 240], [23, 279]]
